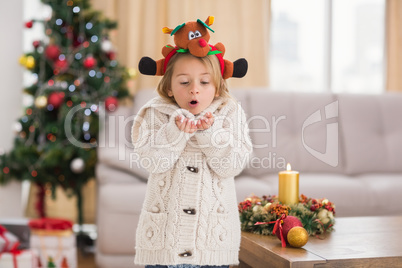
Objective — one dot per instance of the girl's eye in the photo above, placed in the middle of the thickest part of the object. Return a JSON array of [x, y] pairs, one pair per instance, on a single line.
[[183, 83], [204, 82]]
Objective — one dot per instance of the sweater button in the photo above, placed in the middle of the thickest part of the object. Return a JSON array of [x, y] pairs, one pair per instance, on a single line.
[[189, 211], [161, 183], [155, 209], [193, 169], [222, 237], [149, 234], [221, 209], [185, 254]]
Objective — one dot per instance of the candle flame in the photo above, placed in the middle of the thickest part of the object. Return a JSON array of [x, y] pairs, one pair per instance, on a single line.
[[288, 167]]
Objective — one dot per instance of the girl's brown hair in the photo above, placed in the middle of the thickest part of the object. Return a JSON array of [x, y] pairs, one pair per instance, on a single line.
[[212, 64]]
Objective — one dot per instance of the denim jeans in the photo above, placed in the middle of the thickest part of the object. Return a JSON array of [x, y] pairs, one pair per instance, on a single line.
[[185, 266]]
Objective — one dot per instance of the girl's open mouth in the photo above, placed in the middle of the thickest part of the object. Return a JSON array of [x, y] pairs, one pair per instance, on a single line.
[[193, 103]]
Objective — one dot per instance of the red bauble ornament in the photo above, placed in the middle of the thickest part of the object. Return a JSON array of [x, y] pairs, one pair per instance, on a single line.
[[52, 52], [111, 55], [288, 223], [29, 24], [56, 99], [89, 62], [36, 44], [111, 103], [61, 65]]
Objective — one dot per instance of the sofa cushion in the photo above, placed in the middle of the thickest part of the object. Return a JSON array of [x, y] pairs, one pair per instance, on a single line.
[[297, 128], [119, 206], [372, 132], [115, 148]]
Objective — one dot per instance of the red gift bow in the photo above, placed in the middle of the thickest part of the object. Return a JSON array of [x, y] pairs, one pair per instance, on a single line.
[[3, 230], [278, 224], [14, 251], [50, 224]]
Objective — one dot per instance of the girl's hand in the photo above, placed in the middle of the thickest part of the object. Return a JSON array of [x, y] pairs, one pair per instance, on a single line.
[[205, 122], [185, 124]]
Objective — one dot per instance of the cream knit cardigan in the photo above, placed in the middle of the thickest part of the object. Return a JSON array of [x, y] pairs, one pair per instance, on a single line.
[[190, 213]]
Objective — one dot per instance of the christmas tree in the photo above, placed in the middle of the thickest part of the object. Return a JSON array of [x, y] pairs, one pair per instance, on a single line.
[[76, 77], [64, 263], [50, 263]]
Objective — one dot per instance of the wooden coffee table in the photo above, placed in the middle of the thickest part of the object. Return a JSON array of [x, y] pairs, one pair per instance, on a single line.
[[356, 242]]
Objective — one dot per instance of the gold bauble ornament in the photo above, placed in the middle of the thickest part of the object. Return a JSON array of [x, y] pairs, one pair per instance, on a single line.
[[22, 60], [297, 237], [132, 73], [30, 62], [41, 102]]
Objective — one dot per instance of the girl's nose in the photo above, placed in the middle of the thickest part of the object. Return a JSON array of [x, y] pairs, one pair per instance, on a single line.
[[194, 90]]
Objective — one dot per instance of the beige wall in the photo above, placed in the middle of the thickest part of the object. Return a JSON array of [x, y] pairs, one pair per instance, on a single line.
[[10, 94]]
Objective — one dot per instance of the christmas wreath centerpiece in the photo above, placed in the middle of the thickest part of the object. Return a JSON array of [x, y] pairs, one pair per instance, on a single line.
[[316, 215]]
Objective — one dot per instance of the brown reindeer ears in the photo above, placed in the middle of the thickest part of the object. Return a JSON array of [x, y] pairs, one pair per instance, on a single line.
[[208, 22]]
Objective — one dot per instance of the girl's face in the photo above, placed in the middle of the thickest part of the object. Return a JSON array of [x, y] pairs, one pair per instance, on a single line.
[[192, 85]]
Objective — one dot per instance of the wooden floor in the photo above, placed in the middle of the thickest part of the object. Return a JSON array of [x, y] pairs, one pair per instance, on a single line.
[[86, 261]]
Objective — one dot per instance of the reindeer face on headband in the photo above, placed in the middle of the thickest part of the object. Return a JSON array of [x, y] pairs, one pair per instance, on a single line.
[[193, 36]]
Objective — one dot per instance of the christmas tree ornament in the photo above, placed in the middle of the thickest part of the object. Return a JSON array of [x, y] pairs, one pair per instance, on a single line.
[[56, 99], [106, 45], [111, 103], [22, 60], [89, 62], [297, 237], [30, 62], [36, 44], [132, 72], [52, 52], [111, 55], [61, 65], [41, 102], [77, 165], [29, 24], [287, 223], [17, 127]]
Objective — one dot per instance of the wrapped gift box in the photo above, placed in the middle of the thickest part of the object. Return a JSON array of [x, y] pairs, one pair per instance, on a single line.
[[7, 240], [19, 228], [20, 259], [53, 239]]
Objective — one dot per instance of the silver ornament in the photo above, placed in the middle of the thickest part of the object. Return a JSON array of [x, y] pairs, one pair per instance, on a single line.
[[77, 165]]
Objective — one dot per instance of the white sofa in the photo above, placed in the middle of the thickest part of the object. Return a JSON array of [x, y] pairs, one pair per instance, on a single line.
[[347, 148]]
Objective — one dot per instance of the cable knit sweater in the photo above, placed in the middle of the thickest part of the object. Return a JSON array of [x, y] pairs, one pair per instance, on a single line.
[[190, 210]]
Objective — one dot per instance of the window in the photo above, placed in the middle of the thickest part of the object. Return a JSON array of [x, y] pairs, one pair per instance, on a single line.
[[327, 45]]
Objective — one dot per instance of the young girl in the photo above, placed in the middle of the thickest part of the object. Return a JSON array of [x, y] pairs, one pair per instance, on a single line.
[[195, 139]]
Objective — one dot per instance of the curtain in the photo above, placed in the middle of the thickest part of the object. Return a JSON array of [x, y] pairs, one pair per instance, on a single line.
[[242, 26], [394, 45]]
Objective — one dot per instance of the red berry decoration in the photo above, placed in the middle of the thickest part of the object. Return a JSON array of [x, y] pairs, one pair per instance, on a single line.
[[288, 223], [89, 62], [111, 103], [56, 99], [52, 52], [29, 24]]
